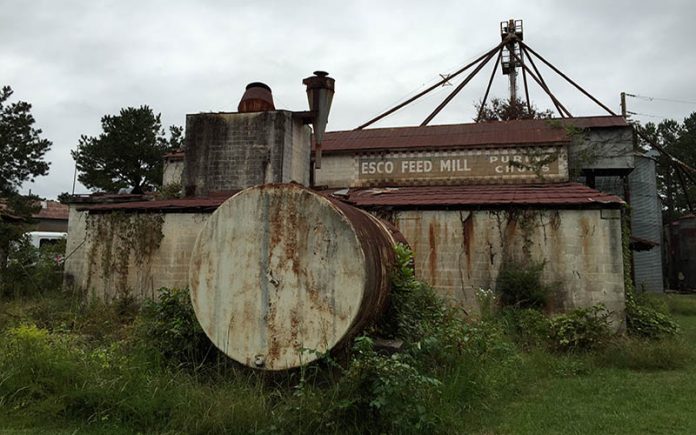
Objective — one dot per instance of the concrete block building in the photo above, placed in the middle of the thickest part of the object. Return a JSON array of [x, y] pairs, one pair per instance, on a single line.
[[469, 198]]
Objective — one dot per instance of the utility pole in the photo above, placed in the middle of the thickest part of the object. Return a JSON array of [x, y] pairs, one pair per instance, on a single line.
[[623, 104], [74, 180]]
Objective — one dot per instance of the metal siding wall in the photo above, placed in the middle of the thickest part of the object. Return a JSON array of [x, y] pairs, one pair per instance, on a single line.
[[646, 220]]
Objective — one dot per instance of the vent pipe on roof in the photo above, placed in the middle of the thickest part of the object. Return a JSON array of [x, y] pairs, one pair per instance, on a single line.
[[257, 98], [320, 92]]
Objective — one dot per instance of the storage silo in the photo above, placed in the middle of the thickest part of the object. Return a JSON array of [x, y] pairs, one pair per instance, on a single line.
[[646, 223]]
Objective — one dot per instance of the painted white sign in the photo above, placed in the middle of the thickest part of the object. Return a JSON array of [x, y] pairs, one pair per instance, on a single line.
[[537, 164]]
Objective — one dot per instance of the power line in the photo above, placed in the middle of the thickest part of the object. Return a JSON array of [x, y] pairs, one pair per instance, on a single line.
[[646, 114], [643, 97]]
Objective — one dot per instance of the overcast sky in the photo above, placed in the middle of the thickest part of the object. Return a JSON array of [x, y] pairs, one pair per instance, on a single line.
[[77, 61]]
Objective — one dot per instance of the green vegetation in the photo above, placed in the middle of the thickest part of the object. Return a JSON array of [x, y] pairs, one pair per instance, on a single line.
[[520, 285], [127, 153], [506, 109], [645, 317], [22, 159], [30, 271], [69, 365], [678, 140]]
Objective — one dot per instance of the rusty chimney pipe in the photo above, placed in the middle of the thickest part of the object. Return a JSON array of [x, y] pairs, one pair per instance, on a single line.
[[257, 98]]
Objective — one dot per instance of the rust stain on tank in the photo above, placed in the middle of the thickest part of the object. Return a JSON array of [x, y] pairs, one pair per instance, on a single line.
[[272, 334], [294, 328], [284, 294], [292, 231]]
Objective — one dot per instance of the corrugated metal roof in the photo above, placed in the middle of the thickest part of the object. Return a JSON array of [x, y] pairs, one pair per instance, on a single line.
[[49, 210], [184, 205], [53, 210], [485, 134], [100, 197], [547, 195]]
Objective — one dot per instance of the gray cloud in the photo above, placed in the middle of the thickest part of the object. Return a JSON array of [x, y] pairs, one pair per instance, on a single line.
[[76, 61]]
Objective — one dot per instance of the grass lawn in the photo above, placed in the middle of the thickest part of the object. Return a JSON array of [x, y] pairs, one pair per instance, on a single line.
[[580, 395], [632, 387]]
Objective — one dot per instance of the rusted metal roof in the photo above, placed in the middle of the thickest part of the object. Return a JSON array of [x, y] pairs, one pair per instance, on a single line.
[[100, 197], [52, 210], [184, 205], [478, 135], [481, 196], [49, 210], [174, 155], [476, 195]]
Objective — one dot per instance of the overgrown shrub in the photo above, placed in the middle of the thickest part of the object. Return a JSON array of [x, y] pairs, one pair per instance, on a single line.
[[386, 393], [646, 321], [32, 271], [487, 303], [415, 311], [580, 330], [403, 393], [642, 317], [519, 285], [529, 328], [392, 388], [168, 325], [170, 191], [648, 317], [434, 333]]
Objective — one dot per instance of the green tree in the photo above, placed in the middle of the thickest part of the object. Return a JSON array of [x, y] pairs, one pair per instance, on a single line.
[[499, 109], [128, 152], [22, 152], [21, 148], [679, 140]]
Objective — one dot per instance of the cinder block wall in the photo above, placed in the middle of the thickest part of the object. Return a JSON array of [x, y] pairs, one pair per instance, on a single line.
[[337, 170], [458, 252], [173, 172], [229, 151], [119, 254]]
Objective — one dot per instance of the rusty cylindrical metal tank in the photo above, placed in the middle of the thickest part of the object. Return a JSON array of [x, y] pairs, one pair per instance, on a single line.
[[280, 274]]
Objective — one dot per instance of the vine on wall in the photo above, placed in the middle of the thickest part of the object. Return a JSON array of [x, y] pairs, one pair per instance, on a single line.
[[511, 220], [116, 239]]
